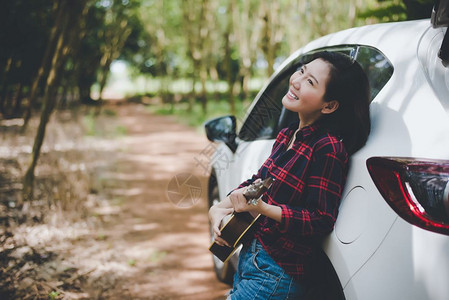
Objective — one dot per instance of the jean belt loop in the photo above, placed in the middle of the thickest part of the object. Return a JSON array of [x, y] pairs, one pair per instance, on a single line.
[[253, 246]]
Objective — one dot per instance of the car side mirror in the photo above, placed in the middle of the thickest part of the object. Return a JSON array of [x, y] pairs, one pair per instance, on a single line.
[[222, 129]]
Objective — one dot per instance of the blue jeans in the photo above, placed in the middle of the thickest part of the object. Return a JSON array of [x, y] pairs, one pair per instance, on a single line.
[[258, 276]]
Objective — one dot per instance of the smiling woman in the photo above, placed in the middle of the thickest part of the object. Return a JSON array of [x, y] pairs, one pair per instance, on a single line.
[[309, 164], [305, 95]]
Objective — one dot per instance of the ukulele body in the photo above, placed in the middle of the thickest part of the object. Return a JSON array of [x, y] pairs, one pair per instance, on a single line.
[[239, 225], [234, 232]]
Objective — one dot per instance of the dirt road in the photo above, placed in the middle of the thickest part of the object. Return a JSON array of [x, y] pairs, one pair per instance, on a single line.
[[136, 229], [158, 231]]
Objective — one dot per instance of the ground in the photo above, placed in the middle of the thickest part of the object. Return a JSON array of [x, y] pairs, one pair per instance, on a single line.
[[145, 231]]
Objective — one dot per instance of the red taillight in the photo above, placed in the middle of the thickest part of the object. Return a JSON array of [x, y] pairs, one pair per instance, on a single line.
[[417, 190]]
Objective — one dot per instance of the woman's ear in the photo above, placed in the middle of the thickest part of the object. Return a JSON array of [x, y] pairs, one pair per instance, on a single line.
[[330, 107]]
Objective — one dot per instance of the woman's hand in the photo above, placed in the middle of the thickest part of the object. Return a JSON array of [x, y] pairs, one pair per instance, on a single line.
[[240, 203], [216, 215]]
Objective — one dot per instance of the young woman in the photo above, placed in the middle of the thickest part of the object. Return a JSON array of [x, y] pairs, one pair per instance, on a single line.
[[309, 163]]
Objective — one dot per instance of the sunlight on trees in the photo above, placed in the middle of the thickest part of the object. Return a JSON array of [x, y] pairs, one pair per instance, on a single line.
[[52, 52]]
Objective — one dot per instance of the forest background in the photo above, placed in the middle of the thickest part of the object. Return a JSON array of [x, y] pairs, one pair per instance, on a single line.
[[59, 53], [192, 58]]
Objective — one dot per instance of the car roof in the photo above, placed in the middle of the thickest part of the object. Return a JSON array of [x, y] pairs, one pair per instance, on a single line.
[[395, 40]]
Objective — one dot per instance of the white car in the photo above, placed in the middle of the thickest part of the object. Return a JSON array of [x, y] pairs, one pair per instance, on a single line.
[[391, 238]]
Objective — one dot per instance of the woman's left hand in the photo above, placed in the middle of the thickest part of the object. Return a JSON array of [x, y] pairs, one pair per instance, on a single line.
[[239, 202]]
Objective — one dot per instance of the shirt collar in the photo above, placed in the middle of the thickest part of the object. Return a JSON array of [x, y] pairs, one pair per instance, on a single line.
[[306, 131]]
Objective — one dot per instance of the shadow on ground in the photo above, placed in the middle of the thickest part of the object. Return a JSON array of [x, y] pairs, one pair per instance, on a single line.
[[150, 240]]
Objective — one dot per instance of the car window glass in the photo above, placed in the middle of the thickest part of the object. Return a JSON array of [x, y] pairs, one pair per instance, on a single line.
[[376, 66], [263, 118], [267, 116]]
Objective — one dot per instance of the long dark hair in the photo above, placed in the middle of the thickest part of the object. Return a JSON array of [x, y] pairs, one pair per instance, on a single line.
[[347, 84]]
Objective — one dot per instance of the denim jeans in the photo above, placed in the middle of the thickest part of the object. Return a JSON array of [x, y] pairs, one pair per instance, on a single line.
[[258, 276]]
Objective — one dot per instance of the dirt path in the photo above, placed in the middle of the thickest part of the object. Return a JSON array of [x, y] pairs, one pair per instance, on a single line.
[[136, 229], [157, 236]]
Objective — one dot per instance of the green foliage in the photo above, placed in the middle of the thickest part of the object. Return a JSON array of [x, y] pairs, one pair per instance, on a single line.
[[109, 112], [23, 37], [172, 39], [386, 12], [89, 124], [157, 256], [94, 125], [194, 116], [156, 47], [120, 131], [101, 237], [92, 43], [132, 262], [398, 10], [53, 295]]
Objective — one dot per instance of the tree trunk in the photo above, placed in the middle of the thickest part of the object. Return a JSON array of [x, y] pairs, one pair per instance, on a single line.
[[192, 95], [244, 93], [72, 12], [230, 78], [15, 110], [198, 19], [248, 25], [213, 74], [47, 107], [4, 87], [273, 32], [203, 95], [46, 61], [104, 72], [115, 40], [102, 82], [11, 97]]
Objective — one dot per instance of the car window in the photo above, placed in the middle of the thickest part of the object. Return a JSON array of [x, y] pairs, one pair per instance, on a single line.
[[262, 121], [267, 115]]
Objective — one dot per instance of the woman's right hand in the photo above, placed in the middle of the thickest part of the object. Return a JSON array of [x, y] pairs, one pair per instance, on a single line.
[[216, 215]]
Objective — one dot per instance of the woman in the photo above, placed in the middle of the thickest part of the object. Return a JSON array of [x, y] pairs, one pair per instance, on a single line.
[[309, 163]]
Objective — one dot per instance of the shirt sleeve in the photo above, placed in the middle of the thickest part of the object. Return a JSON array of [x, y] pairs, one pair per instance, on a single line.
[[323, 192], [264, 166]]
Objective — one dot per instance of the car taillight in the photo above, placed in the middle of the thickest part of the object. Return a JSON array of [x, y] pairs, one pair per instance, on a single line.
[[417, 190]]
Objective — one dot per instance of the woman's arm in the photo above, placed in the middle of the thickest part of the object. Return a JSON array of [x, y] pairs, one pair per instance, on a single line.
[[325, 183], [235, 201], [216, 214], [239, 203], [324, 187]]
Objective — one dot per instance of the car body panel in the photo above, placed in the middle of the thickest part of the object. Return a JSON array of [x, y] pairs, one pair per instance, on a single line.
[[234, 168], [406, 260]]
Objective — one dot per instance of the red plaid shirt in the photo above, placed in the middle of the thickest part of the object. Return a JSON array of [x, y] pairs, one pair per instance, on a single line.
[[309, 179]]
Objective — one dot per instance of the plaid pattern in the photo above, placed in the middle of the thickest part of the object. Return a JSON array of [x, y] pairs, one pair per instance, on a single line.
[[309, 179]]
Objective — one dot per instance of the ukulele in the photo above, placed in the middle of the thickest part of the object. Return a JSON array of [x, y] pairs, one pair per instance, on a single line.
[[240, 223]]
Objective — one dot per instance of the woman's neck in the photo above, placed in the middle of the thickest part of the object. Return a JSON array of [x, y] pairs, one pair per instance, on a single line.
[[304, 122]]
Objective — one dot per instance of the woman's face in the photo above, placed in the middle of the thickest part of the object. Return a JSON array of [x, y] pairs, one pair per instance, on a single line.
[[306, 91]]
